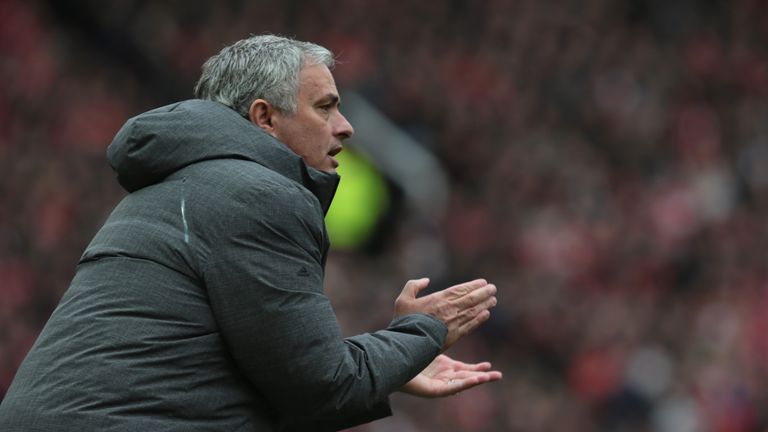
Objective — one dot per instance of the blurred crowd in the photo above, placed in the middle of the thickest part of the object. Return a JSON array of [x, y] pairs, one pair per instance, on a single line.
[[608, 165]]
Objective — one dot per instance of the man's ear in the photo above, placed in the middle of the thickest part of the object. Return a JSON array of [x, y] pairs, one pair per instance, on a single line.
[[260, 114]]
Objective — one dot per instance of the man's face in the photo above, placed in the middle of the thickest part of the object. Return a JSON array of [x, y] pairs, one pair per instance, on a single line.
[[317, 128]]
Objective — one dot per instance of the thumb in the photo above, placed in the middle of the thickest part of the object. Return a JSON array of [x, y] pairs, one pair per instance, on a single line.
[[414, 286]]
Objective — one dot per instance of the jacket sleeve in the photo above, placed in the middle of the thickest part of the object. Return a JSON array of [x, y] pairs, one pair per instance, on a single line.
[[264, 276]]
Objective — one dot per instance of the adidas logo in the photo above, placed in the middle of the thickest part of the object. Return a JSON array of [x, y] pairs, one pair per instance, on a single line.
[[302, 272]]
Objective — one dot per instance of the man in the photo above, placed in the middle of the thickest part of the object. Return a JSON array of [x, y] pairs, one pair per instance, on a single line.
[[199, 305]]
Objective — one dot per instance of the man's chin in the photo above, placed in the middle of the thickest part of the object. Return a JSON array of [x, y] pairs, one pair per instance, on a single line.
[[331, 166]]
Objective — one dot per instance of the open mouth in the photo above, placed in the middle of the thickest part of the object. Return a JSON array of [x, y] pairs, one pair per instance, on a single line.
[[336, 150], [333, 152]]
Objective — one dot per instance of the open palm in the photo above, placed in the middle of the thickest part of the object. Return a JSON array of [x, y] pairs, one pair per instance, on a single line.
[[445, 377]]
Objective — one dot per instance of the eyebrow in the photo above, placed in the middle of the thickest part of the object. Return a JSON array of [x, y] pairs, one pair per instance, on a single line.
[[329, 98]]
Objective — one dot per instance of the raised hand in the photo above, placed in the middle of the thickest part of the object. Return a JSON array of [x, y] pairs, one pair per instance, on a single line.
[[461, 307], [445, 377]]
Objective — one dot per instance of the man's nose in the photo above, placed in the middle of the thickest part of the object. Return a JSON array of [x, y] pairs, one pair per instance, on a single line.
[[342, 128]]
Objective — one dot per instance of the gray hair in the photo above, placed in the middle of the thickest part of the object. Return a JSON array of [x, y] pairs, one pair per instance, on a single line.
[[259, 67]]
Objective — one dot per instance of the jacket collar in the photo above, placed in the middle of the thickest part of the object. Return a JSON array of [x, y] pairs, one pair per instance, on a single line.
[[153, 145]]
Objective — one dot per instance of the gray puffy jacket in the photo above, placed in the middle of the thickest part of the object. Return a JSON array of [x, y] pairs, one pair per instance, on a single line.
[[199, 304]]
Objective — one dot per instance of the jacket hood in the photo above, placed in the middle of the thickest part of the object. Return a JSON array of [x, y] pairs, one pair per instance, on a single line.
[[157, 143]]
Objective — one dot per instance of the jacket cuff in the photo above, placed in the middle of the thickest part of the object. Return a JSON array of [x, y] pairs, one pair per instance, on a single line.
[[428, 325]]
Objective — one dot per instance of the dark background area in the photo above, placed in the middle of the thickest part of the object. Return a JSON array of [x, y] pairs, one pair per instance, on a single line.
[[607, 166]]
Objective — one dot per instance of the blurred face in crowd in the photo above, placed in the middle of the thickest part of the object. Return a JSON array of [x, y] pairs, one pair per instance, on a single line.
[[317, 128]]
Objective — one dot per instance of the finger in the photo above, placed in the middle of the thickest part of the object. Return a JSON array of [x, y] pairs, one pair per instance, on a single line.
[[477, 296], [466, 315], [487, 303], [414, 286], [476, 375], [465, 288], [461, 366], [475, 322], [458, 364], [461, 384]]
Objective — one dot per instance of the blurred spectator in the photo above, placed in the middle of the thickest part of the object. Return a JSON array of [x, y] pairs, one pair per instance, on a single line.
[[607, 162]]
